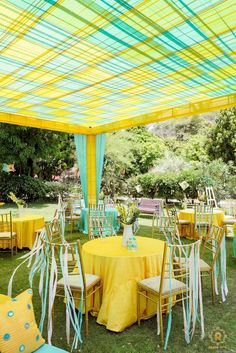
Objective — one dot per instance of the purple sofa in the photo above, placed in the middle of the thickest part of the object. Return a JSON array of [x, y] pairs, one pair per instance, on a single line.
[[150, 206]]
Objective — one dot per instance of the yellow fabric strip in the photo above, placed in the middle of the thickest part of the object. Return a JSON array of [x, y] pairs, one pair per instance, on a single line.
[[181, 111], [42, 124], [91, 168]]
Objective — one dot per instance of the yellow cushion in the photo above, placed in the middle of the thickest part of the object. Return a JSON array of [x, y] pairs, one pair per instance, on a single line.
[[18, 329], [3, 298], [170, 285]]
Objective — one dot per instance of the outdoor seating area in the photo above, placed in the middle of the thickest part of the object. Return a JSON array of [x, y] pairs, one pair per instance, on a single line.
[[111, 274], [117, 176]]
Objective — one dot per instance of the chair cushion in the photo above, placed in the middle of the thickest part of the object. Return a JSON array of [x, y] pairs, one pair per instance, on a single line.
[[75, 281], [7, 235], [154, 284], [226, 216], [46, 348], [183, 221], [72, 218], [204, 266], [229, 221], [18, 329]]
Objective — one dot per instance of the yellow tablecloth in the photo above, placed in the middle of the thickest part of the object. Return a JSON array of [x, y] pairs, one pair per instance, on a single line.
[[120, 270], [25, 228], [188, 215]]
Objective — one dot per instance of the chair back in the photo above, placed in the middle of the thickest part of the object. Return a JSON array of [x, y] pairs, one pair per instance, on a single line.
[[172, 264], [171, 210], [160, 224], [53, 231], [211, 245], [203, 218], [171, 234], [97, 210], [56, 257], [210, 196], [229, 207], [100, 226], [108, 200], [6, 222], [180, 276], [68, 210]]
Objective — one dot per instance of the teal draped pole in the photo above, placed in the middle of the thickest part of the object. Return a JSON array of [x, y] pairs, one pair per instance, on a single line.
[[81, 143], [100, 151], [81, 153], [234, 246]]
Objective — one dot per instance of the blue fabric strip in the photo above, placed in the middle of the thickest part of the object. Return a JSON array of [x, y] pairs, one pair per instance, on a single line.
[[81, 153]]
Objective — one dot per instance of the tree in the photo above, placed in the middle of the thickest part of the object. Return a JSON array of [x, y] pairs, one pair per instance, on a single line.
[[129, 153], [33, 151], [222, 137]]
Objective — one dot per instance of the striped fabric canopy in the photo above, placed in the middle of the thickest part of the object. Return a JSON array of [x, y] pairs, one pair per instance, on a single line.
[[92, 66]]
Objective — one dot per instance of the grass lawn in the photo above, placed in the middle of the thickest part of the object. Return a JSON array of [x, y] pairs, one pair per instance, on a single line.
[[135, 339]]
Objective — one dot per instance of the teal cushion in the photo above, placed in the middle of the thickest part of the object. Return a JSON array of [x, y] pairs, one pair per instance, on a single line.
[[46, 348]]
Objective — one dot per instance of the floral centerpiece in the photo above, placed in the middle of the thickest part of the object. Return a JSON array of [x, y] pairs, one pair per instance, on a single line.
[[19, 202], [201, 196], [128, 215]]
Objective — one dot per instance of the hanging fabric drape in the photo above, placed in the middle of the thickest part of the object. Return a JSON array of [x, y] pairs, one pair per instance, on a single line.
[[90, 151], [81, 153], [100, 151]]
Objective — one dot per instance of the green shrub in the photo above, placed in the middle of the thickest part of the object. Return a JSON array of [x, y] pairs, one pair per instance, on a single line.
[[167, 185], [24, 187], [54, 188]]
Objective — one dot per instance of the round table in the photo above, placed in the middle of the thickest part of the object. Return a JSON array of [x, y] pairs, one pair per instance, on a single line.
[[188, 215], [120, 270], [109, 211], [25, 228]]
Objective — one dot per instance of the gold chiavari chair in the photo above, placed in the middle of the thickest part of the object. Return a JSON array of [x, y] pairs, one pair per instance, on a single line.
[[210, 253], [210, 196], [160, 224], [172, 212], [82, 285], [8, 238], [174, 283], [100, 226], [54, 235], [229, 208], [96, 210], [70, 217], [203, 218]]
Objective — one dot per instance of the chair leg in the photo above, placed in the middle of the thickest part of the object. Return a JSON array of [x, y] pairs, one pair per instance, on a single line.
[[138, 307], [161, 322], [213, 288], [100, 296], [86, 316], [202, 283]]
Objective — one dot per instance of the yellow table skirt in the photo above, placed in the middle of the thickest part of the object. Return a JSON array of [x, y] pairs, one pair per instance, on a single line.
[[188, 215], [120, 270], [25, 228]]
